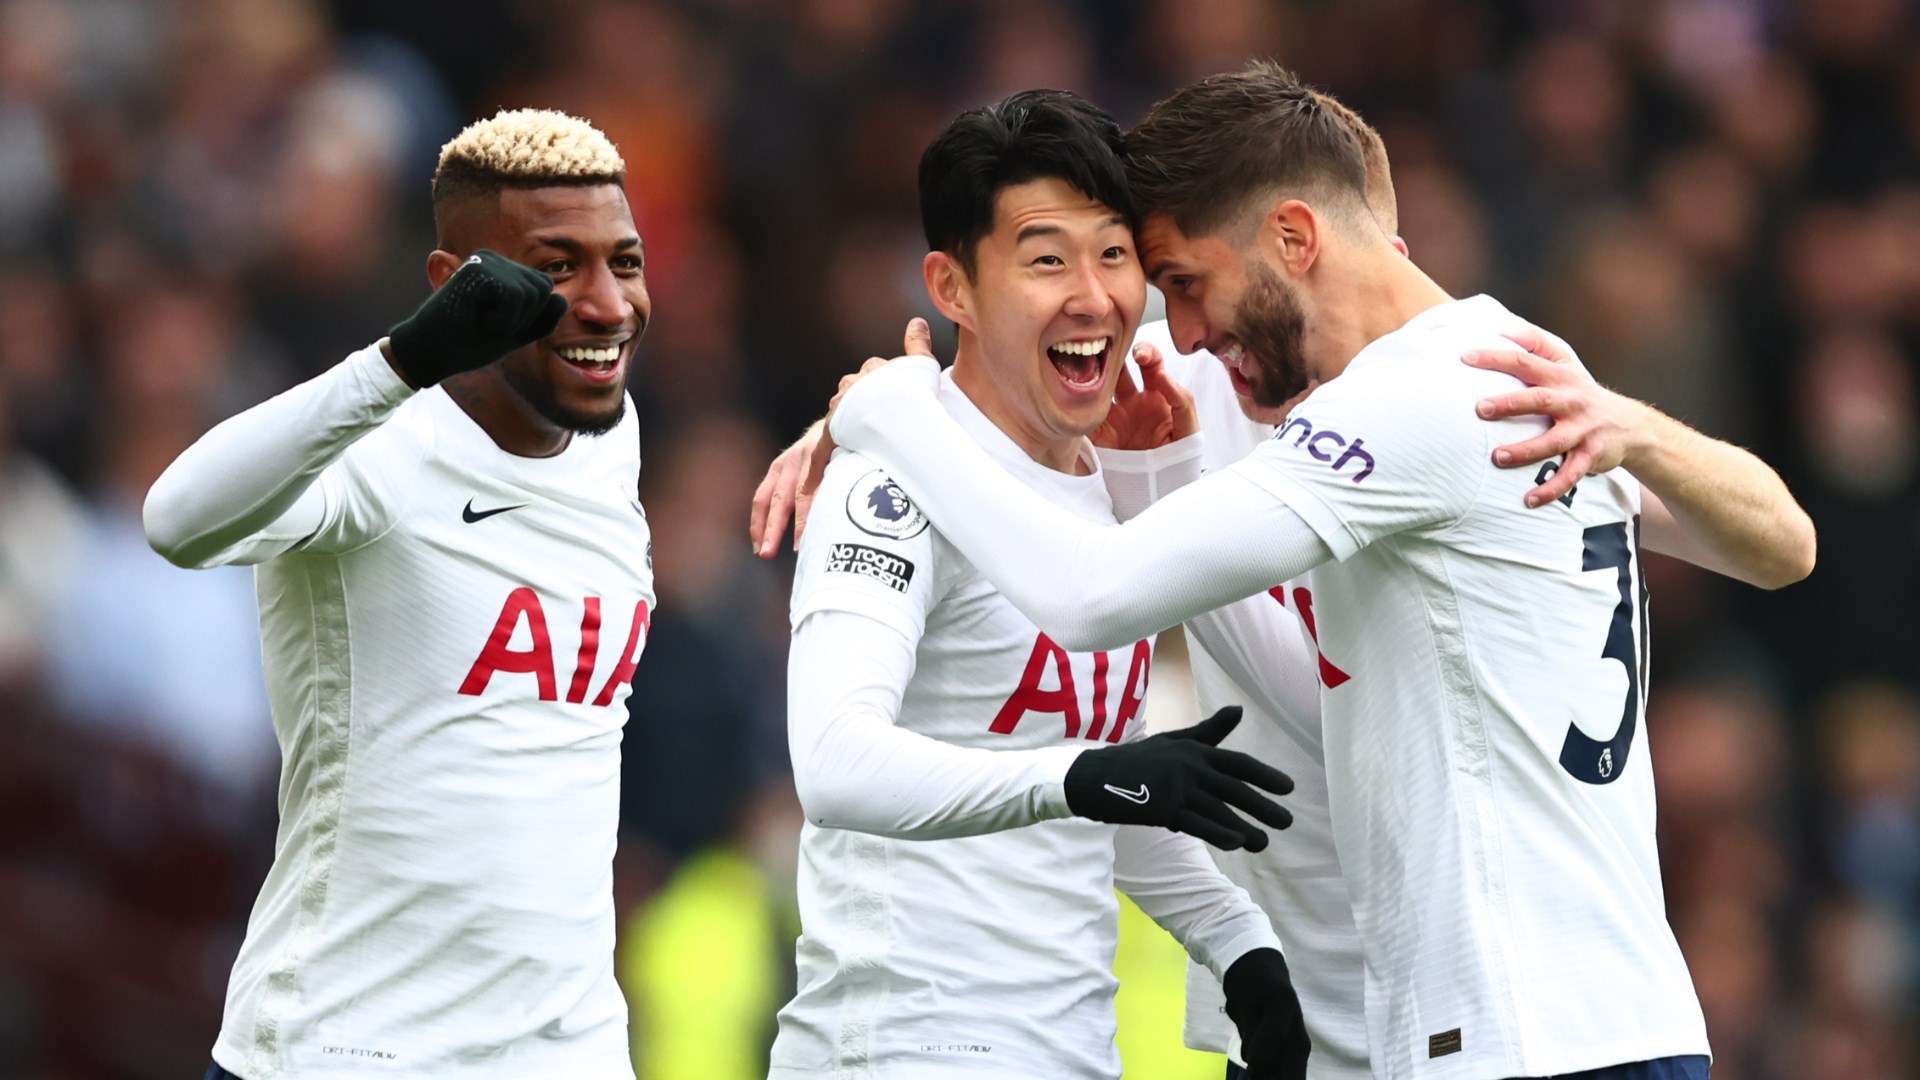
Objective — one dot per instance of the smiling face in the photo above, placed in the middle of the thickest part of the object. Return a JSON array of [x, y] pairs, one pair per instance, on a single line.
[[1052, 303], [1234, 306], [583, 237]]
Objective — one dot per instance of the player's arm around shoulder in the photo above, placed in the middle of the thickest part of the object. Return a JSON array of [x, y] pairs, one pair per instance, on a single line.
[[1706, 501]]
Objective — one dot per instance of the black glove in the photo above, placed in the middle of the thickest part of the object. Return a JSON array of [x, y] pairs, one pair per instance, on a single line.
[[488, 308], [1261, 1001], [1181, 780]]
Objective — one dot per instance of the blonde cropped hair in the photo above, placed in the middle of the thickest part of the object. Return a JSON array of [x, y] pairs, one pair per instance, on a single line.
[[523, 148]]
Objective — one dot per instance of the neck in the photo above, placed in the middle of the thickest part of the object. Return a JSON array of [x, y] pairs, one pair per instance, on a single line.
[[1379, 291], [1061, 453], [509, 420]]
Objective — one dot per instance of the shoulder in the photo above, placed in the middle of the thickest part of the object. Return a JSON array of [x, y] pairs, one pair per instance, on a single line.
[[858, 498]]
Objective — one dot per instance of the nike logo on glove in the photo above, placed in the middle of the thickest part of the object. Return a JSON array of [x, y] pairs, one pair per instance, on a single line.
[[470, 515], [1137, 797]]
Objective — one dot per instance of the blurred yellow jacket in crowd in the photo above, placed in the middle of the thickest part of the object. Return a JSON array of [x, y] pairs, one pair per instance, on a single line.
[[706, 965]]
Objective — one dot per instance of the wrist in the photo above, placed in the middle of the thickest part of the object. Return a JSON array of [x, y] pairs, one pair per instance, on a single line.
[[386, 353], [1653, 442]]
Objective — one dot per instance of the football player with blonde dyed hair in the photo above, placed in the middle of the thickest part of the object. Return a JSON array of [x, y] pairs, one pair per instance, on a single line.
[[455, 586]]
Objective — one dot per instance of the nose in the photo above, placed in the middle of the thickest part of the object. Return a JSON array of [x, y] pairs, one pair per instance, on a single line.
[[596, 298], [1188, 327], [1090, 298]]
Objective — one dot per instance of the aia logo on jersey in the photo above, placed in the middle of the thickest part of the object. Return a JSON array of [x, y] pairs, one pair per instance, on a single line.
[[878, 507], [523, 606], [1064, 699], [1328, 445]]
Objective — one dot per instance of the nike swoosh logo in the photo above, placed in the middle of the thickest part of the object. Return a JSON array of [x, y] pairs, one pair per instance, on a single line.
[[1138, 798], [470, 515]]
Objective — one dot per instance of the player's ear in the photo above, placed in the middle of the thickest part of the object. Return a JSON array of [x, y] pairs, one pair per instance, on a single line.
[[441, 265], [1400, 245], [948, 287], [1291, 234]]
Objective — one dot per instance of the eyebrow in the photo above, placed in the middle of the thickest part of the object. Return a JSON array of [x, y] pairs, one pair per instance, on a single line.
[[1037, 229], [575, 247]]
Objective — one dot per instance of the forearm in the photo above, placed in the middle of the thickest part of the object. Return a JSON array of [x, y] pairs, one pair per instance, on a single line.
[[240, 477], [855, 769], [1730, 512], [1088, 586], [1173, 879]]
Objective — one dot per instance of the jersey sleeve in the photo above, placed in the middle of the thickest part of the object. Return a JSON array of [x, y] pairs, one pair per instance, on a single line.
[[272, 479], [1089, 586], [1394, 447], [1173, 879], [1136, 479], [855, 768], [868, 550]]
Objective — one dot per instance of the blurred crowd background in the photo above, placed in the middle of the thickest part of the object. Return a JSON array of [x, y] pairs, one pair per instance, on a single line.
[[205, 201]]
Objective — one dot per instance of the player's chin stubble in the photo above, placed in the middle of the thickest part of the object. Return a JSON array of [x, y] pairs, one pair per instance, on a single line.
[[1272, 326], [539, 393]]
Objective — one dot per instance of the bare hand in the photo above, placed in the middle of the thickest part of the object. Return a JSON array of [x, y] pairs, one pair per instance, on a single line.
[[786, 493], [1158, 412], [1594, 428]]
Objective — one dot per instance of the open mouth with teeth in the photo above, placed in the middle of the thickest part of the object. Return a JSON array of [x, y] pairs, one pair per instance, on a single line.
[[595, 362], [1081, 364]]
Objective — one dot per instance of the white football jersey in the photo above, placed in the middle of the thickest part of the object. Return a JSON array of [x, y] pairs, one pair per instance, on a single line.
[[1297, 880], [1491, 794], [448, 658], [977, 955]]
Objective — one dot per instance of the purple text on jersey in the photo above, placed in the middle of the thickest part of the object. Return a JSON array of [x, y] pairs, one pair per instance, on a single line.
[[1313, 441]]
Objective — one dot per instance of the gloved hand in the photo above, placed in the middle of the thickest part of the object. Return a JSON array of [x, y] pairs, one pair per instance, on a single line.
[[488, 308], [1262, 1004], [1181, 780]]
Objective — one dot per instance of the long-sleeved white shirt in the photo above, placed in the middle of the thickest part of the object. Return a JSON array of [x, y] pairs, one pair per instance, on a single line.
[[448, 633], [1492, 806], [953, 918]]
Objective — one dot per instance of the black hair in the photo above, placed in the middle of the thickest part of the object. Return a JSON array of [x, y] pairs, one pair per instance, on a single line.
[[1035, 134]]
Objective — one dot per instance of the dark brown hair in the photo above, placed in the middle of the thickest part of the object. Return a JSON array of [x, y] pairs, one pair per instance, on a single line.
[[1203, 151]]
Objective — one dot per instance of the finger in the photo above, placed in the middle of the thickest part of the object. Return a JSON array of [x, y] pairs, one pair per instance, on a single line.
[[778, 511], [1255, 805], [802, 508], [817, 460], [1551, 443], [1226, 838], [1571, 470], [762, 496], [1533, 401], [551, 312], [1251, 769], [1146, 352], [873, 364], [1216, 810], [1549, 347], [1526, 367], [1212, 729], [919, 339], [1153, 374]]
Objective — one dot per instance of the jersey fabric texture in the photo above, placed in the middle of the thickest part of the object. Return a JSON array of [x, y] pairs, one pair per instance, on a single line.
[[1297, 880], [448, 633], [1491, 805], [1493, 809], [990, 954]]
